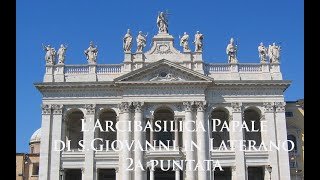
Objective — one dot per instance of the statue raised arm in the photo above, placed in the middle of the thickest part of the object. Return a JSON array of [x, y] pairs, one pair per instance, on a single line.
[[141, 41], [50, 55]]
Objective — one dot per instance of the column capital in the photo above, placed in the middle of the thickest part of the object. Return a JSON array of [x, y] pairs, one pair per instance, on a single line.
[[236, 106], [124, 107], [46, 108], [138, 106], [233, 168], [188, 105], [57, 108], [268, 106], [201, 105], [117, 170], [90, 108], [280, 106]]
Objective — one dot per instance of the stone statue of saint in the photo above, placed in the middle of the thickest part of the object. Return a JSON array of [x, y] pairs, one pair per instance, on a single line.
[[184, 42], [262, 52], [127, 42], [91, 53], [50, 55], [61, 54], [274, 53], [162, 22], [198, 39], [232, 52], [141, 41]]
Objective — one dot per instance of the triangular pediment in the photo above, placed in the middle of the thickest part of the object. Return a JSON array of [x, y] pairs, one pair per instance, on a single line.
[[163, 71]]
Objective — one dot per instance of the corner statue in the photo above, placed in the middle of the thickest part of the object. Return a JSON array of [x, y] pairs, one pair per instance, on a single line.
[[127, 42], [274, 53], [162, 22], [198, 38], [91, 53], [50, 55], [262, 52], [61, 54], [232, 52], [141, 41], [184, 42]]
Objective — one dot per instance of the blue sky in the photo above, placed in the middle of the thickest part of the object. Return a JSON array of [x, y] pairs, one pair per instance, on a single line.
[[76, 23]]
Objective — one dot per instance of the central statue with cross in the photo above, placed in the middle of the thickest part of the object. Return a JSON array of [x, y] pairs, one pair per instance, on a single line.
[[162, 22]]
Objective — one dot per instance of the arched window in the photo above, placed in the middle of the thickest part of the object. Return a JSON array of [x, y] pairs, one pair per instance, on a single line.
[[294, 140], [109, 116], [73, 128], [219, 134], [252, 120], [165, 116]]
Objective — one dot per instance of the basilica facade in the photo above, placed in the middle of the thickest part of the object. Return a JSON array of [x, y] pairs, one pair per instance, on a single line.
[[226, 117]]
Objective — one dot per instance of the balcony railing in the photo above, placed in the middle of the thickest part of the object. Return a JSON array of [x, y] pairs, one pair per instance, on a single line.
[[109, 69], [76, 69]]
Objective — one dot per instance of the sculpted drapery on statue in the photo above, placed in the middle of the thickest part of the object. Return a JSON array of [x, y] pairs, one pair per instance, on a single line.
[[184, 42], [141, 41], [162, 22], [61, 54], [127, 42], [91, 53], [232, 52], [262, 52], [50, 55], [198, 40], [274, 53]]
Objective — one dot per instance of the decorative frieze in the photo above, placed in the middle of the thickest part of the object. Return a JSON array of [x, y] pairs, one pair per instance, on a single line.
[[188, 105], [46, 108], [236, 106], [124, 107], [90, 108], [138, 106], [280, 106], [268, 106], [201, 105], [57, 108]]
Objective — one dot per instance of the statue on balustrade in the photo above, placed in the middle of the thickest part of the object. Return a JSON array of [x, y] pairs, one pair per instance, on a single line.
[[184, 42], [127, 42], [62, 54], [162, 22], [274, 53], [198, 42], [263, 52], [50, 55], [232, 52], [141, 41], [91, 53]]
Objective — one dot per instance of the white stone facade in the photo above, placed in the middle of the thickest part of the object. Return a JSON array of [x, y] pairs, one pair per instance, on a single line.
[[162, 77]]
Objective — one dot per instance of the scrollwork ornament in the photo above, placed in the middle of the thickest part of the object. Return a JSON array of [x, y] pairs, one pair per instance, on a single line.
[[46, 108]]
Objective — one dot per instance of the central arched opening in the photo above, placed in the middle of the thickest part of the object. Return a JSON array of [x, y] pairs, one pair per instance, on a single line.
[[220, 134], [253, 132], [107, 117], [73, 128], [164, 118]]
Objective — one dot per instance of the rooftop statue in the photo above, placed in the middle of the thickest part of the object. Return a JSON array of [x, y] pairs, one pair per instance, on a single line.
[[141, 41], [274, 53], [61, 54], [263, 52], [91, 53], [162, 22], [127, 42], [232, 52], [50, 55], [184, 42], [198, 39]]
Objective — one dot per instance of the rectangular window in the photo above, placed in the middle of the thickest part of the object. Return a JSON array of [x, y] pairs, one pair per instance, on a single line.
[[289, 114], [35, 169]]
